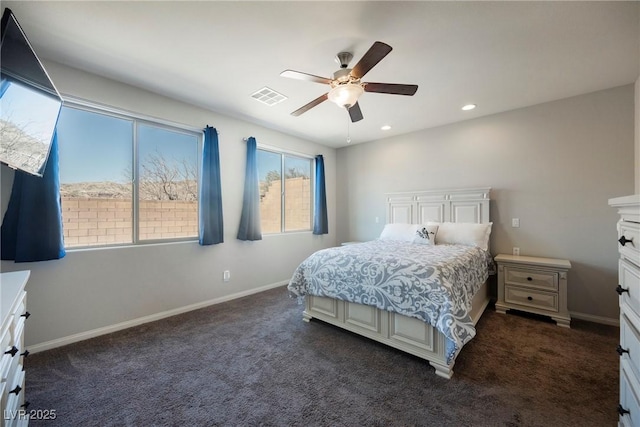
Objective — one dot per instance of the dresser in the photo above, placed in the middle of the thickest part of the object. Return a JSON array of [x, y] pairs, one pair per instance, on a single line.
[[535, 285], [628, 289], [13, 313]]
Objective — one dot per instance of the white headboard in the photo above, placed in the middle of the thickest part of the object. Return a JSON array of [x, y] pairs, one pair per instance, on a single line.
[[452, 205]]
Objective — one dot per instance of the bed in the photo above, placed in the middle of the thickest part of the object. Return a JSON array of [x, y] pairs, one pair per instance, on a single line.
[[403, 289]]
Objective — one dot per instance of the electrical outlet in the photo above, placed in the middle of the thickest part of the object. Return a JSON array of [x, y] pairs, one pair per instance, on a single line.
[[515, 222], [377, 220], [516, 251], [226, 275]]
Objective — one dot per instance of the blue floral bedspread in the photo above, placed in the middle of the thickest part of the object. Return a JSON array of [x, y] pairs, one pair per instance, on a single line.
[[434, 283]]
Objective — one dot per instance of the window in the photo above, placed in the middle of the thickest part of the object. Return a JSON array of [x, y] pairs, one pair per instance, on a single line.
[[284, 205], [125, 180]]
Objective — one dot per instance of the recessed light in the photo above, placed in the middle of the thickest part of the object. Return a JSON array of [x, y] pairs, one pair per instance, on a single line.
[[469, 107], [385, 127]]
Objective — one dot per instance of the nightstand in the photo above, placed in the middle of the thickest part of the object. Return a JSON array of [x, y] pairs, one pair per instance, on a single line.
[[348, 243], [535, 285]]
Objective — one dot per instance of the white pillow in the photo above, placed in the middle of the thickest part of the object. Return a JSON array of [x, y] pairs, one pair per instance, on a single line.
[[426, 235], [463, 233], [402, 232]]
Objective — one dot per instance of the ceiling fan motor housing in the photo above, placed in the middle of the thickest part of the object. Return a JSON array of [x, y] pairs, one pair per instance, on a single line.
[[341, 76], [343, 58]]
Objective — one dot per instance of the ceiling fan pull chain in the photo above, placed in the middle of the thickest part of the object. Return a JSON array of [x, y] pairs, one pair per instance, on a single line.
[[348, 130]]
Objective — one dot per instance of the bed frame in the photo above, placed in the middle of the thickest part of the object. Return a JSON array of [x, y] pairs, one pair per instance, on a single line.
[[401, 332]]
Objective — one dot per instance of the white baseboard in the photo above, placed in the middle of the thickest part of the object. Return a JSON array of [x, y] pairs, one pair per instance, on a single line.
[[146, 319], [596, 319]]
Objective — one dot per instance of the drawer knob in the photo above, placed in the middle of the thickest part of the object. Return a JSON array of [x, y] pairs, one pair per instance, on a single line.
[[16, 390], [12, 352], [25, 405], [530, 298], [621, 350], [622, 411], [620, 290], [623, 240], [529, 279], [25, 315], [25, 353]]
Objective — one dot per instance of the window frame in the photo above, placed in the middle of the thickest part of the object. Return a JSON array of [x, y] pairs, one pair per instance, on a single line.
[[312, 183], [136, 119]]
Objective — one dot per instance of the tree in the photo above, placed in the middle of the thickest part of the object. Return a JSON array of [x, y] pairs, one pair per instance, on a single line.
[[163, 180], [295, 173]]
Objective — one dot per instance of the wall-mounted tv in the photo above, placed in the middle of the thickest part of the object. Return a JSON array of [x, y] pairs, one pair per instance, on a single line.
[[29, 102]]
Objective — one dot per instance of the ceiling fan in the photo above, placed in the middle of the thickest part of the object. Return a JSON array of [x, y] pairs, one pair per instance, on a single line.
[[346, 86]]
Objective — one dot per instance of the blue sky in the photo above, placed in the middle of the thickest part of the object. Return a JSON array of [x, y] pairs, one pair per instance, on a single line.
[[268, 161], [96, 147], [30, 110]]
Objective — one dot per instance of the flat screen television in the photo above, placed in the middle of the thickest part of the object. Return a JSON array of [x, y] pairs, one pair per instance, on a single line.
[[29, 102]]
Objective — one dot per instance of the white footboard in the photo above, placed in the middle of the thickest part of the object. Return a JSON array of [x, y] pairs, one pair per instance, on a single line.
[[401, 332]]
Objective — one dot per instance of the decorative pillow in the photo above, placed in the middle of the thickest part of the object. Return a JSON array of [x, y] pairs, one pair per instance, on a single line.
[[402, 232], [426, 235], [463, 233]]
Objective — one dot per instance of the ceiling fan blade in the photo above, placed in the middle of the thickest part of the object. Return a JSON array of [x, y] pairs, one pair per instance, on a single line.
[[392, 88], [304, 76], [310, 105], [374, 55], [355, 113]]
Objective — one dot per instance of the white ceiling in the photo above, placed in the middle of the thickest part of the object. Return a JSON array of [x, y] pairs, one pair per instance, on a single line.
[[499, 55]]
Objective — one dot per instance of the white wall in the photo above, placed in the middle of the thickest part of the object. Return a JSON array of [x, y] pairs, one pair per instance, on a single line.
[[91, 289], [553, 165]]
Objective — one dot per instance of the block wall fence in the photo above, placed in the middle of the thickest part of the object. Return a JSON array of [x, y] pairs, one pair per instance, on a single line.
[[90, 221]]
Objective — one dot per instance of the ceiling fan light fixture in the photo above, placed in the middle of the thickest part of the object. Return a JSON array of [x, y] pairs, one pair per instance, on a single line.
[[346, 85], [346, 95]]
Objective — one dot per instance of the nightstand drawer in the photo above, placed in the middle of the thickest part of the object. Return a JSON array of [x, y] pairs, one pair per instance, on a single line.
[[531, 298], [531, 278]]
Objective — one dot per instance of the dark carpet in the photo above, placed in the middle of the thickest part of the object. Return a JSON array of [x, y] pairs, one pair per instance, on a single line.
[[254, 362]]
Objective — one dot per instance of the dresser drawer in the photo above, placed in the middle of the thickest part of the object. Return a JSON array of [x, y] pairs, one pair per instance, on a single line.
[[629, 400], [20, 309], [17, 334], [629, 231], [531, 278], [630, 340], [5, 359], [3, 404], [531, 298], [629, 285], [15, 399]]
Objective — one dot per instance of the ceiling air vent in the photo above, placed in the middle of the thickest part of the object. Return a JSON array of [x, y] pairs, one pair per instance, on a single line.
[[268, 96]]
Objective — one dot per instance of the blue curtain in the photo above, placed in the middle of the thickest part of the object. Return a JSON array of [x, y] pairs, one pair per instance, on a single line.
[[250, 220], [210, 206], [32, 226], [320, 221]]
